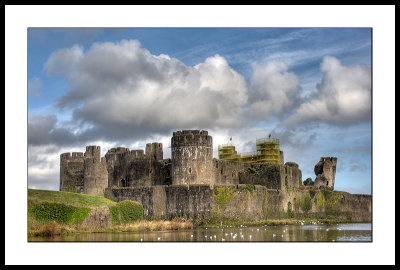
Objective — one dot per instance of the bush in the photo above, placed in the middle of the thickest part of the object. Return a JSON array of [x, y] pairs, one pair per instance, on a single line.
[[126, 212], [224, 196], [250, 188], [58, 212]]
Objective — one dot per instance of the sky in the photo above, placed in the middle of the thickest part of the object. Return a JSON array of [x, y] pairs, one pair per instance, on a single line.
[[308, 87], [56, 86]]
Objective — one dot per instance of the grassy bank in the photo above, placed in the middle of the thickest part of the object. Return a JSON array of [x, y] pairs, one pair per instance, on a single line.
[[53, 228], [70, 198], [60, 213], [274, 222]]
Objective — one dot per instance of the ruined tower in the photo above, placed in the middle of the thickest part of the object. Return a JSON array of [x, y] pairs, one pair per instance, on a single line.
[[325, 171], [191, 154]]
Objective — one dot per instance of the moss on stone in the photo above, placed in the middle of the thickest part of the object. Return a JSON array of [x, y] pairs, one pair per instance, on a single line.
[[223, 196]]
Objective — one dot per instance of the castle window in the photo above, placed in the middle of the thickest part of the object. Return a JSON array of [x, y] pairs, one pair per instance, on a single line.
[[327, 183], [190, 170], [123, 183]]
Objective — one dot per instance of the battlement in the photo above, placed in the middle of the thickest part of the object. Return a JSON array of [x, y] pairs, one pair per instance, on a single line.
[[135, 154], [190, 132], [329, 159], [92, 151], [191, 137], [74, 156], [117, 151]]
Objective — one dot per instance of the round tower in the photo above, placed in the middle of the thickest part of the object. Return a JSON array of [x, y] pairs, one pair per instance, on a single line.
[[191, 155], [95, 171]]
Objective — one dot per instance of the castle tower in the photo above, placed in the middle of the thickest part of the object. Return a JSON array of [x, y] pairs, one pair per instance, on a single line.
[[325, 171], [191, 154], [71, 172], [95, 172], [155, 150]]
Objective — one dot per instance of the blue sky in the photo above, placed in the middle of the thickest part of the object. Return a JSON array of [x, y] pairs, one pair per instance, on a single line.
[[309, 87]]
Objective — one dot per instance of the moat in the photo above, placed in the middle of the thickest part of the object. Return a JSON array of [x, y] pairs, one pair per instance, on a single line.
[[345, 232]]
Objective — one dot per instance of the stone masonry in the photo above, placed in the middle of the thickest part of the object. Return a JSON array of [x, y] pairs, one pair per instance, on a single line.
[[187, 183]]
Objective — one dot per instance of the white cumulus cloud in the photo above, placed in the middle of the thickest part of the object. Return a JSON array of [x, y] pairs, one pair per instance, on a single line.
[[343, 96]]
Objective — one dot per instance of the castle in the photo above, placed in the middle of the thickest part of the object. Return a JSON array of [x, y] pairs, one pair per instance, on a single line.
[[191, 163], [186, 183]]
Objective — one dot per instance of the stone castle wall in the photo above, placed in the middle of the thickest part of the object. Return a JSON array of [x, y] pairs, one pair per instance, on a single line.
[[71, 172], [188, 184], [83, 172], [199, 202]]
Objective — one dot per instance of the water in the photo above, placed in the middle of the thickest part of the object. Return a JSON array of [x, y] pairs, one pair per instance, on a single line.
[[347, 232]]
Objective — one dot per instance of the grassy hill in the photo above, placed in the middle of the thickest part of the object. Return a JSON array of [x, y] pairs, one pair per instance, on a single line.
[[70, 198], [58, 212]]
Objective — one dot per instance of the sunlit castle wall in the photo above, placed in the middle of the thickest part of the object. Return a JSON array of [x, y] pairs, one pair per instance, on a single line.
[[192, 154]]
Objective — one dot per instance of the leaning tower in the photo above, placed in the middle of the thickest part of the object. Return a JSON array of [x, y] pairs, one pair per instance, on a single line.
[[191, 154]]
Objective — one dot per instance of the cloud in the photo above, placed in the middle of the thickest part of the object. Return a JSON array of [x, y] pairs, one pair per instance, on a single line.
[[273, 91], [43, 130], [122, 89], [34, 86], [343, 97]]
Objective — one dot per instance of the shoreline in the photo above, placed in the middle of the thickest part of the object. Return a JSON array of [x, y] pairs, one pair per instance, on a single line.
[[53, 228]]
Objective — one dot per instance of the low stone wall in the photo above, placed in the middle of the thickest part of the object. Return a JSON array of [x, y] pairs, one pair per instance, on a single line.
[[197, 202], [99, 217], [243, 202], [324, 203]]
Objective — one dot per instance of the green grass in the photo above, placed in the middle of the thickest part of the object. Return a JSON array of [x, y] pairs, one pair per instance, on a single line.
[[70, 198], [126, 212], [61, 213], [274, 222]]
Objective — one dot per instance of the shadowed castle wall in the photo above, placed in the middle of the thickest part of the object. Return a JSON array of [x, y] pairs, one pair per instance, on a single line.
[[71, 172], [95, 172]]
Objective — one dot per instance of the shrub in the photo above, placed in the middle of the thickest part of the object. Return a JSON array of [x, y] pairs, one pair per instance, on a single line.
[[312, 193], [126, 212], [250, 187], [58, 212], [223, 196]]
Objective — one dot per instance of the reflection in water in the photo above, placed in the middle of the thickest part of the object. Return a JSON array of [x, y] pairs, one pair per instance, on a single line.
[[349, 232]]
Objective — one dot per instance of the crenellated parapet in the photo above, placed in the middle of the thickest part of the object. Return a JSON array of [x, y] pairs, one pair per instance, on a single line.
[[191, 138]]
